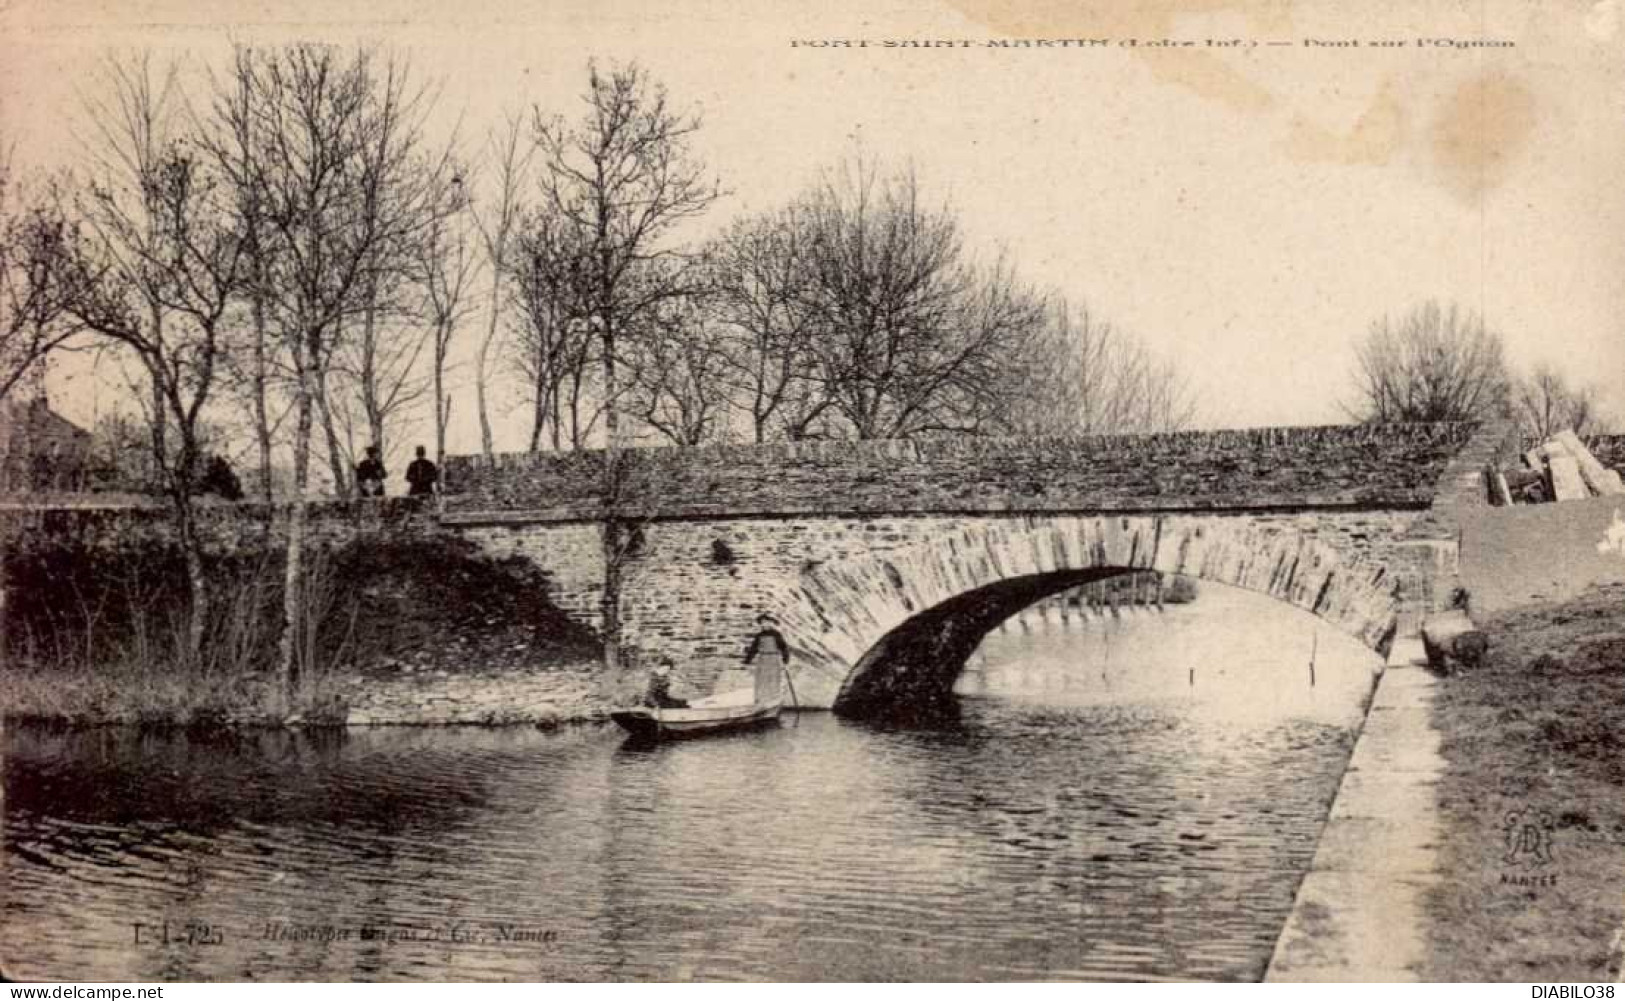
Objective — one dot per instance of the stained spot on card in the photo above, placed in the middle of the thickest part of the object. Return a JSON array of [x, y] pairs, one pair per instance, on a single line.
[[1482, 129], [1375, 137]]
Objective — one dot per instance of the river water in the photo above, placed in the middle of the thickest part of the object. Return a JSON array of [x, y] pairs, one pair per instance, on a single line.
[[1128, 797]]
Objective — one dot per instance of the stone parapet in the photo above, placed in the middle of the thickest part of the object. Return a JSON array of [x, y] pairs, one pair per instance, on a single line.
[[1344, 466]]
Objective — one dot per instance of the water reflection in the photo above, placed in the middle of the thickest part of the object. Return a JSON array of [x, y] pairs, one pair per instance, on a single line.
[[1092, 813]]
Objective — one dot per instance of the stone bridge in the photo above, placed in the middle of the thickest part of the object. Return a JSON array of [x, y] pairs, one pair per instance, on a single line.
[[887, 562]]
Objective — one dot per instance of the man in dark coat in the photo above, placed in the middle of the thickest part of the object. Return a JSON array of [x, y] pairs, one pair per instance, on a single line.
[[421, 476], [370, 474], [219, 479]]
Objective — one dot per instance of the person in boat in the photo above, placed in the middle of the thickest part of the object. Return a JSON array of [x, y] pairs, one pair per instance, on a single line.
[[770, 655], [768, 640], [659, 694]]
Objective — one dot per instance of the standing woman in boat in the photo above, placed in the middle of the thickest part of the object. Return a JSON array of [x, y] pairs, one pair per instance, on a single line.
[[771, 656]]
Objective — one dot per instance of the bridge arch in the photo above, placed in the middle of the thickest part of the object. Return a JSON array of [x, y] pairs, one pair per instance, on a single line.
[[887, 633]]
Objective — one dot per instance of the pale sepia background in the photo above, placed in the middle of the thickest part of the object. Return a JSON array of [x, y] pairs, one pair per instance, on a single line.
[[1246, 211]]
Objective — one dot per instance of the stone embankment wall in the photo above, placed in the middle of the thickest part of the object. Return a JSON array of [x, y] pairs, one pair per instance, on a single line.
[[572, 693], [1514, 556], [440, 637]]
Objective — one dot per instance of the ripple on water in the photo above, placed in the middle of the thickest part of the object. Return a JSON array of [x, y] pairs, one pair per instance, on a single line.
[[1118, 823]]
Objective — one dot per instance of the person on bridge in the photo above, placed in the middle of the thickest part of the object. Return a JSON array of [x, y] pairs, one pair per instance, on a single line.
[[370, 474], [421, 476], [659, 693]]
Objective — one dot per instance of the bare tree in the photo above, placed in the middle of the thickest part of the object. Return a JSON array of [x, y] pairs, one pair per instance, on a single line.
[[1546, 403], [554, 339], [332, 134], [1434, 363], [512, 155], [37, 278], [382, 364], [622, 178], [377, 380], [445, 272], [678, 377], [1077, 373], [134, 115], [911, 333], [762, 290], [229, 141], [163, 262], [332, 407]]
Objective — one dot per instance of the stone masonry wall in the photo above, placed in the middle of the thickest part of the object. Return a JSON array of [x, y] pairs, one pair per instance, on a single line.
[[570, 553], [1353, 466], [696, 586], [730, 531]]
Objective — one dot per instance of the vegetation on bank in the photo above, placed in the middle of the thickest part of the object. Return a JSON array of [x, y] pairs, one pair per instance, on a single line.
[[1534, 741], [102, 639]]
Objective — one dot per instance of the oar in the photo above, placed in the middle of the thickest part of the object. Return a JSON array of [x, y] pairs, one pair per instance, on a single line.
[[785, 667]]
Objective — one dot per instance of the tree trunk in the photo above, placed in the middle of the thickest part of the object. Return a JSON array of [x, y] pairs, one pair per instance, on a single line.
[[442, 406], [540, 403], [369, 372], [197, 582], [575, 412], [612, 419], [160, 428], [610, 606], [486, 441], [335, 455], [293, 574], [261, 374], [262, 418], [5, 543], [612, 535]]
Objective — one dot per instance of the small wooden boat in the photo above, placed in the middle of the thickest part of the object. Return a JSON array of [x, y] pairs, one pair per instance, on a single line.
[[739, 709], [697, 720]]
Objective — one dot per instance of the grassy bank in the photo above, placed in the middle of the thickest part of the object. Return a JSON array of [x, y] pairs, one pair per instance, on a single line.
[[1536, 736], [94, 638]]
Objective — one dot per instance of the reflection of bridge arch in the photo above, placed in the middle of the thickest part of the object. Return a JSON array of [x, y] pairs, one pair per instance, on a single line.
[[891, 631]]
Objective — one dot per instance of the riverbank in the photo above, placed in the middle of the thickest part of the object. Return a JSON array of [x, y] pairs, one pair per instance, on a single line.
[[561, 694], [415, 630], [1532, 800]]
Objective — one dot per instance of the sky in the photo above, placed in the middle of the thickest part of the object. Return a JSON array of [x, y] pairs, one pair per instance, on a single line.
[[1245, 209]]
